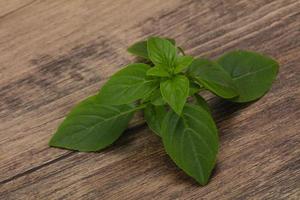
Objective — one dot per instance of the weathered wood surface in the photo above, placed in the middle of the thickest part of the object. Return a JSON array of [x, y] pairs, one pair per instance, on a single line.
[[55, 53]]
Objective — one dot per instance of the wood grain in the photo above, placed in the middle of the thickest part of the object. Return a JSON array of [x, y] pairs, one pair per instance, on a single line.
[[55, 53]]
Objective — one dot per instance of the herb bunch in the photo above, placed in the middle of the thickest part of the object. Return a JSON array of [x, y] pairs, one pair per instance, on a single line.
[[160, 88]]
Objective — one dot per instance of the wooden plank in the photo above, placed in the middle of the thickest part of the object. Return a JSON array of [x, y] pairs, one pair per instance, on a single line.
[[55, 53]]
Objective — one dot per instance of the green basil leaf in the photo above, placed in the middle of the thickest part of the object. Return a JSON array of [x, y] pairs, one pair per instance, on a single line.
[[201, 102], [154, 116], [139, 49], [251, 72], [158, 71], [156, 98], [175, 92], [162, 52], [191, 140], [92, 126], [182, 63], [127, 85], [213, 77]]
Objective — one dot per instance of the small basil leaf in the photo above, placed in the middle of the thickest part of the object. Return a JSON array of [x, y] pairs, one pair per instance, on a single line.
[[251, 72], [127, 85], [154, 116], [213, 77], [191, 140], [156, 98], [92, 126], [162, 52], [139, 49], [146, 98], [158, 71], [175, 92], [182, 63], [200, 101]]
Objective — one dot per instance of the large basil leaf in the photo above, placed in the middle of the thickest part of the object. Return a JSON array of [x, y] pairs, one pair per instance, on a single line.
[[213, 77], [175, 92], [127, 85], [140, 48], [154, 116], [251, 72], [191, 140], [92, 126], [162, 52]]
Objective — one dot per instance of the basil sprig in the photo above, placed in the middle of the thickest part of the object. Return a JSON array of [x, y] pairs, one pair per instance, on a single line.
[[161, 89]]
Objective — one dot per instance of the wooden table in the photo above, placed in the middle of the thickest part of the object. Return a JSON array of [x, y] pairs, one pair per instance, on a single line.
[[55, 53]]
